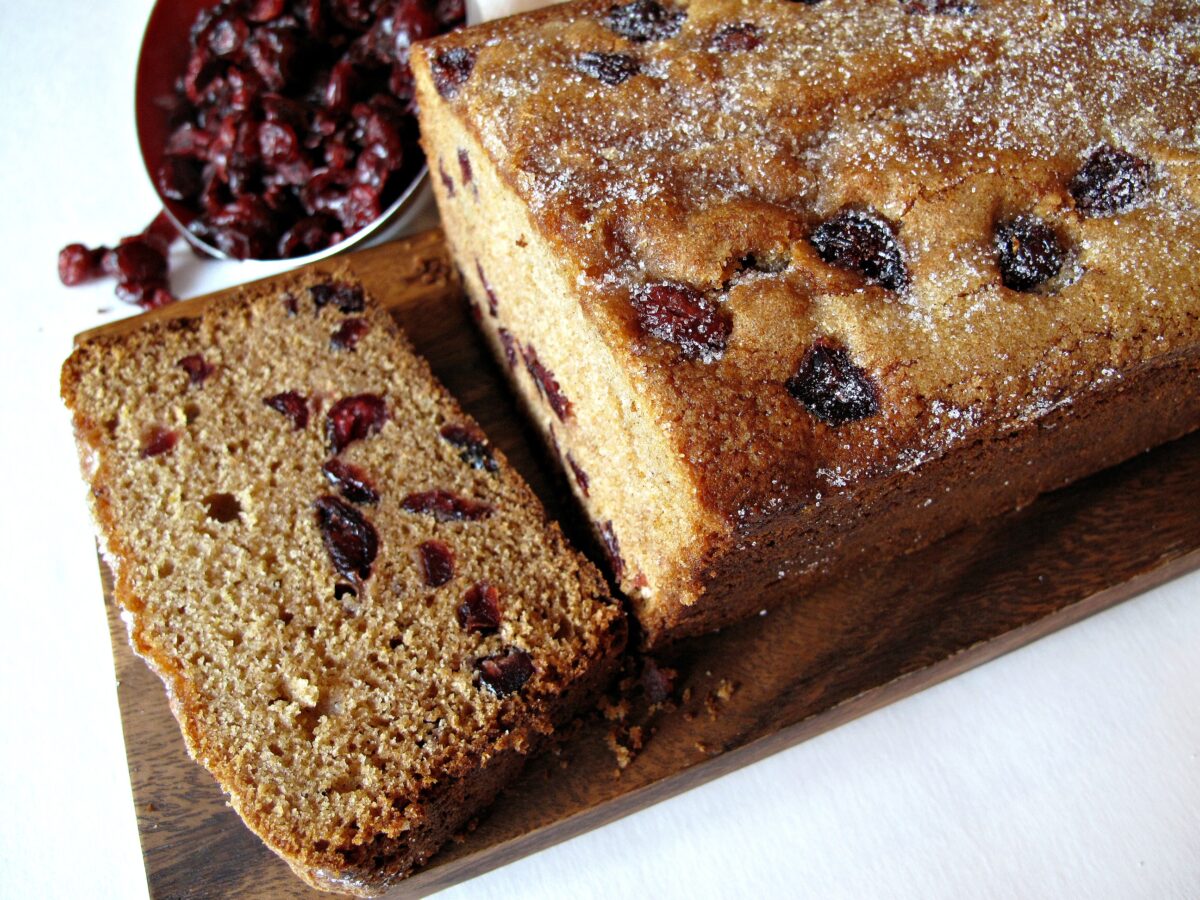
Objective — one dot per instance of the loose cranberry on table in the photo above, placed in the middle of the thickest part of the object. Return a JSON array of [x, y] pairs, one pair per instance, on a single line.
[[292, 127]]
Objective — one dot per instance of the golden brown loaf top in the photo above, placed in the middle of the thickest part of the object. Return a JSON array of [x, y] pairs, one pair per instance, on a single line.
[[358, 608], [833, 240]]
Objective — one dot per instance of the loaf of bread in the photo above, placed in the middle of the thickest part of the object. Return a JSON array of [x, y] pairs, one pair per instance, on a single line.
[[362, 618], [794, 287]]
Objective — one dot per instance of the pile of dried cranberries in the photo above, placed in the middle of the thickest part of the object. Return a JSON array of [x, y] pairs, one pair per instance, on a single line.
[[292, 127]]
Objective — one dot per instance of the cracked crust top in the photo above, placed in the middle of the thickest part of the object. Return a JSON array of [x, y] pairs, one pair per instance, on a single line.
[[920, 223]]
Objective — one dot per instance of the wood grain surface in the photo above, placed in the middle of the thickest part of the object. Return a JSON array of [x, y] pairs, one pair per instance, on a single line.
[[743, 694]]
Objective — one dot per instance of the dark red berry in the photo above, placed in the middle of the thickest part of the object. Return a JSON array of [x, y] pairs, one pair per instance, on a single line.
[[348, 298], [581, 477], [292, 405], [450, 13], [446, 507], [354, 418], [309, 235], [832, 387], [476, 451], [612, 549], [464, 165], [349, 333], [179, 178], [158, 440], [493, 302], [610, 68], [480, 609], [735, 36], [447, 181], [1111, 181], [265, 10], [437, 563], [685, 317], [136, 260], [1029, 252], [146, 294], [349, 537], [506, 672], [77, 264], [352, 481], [451, 69], [645, 20], [509, 343], [864, 242], [658, 682], [196, 367], [547, 385]]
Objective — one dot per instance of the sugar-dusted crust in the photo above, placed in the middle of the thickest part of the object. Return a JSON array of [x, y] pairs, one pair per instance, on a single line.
[[714, 165], [344, 716]]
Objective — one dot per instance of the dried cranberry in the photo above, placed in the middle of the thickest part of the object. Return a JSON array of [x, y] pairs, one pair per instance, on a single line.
[[136, 260], [612, 549], [464, 165], [658, 682], [451, 69], [450, 12], [310, 234], [683, 316], [864, 242], [354, 418], [547, 385], [158, 440], [476, 451], [437, 563], [493, 302], [446, 507], [349, 537], [735, 36], [1111, 181], [352, 481], [77, 264], [506, 672], [645, 20], [146, 294], [292, 405], [349, 333], [265, 10], [348, 298], [227, 35], [1029, 252], [581, 477], [179, 179], [610, 68], [278, 144], [196, 367], [447, 181], [831, 386], [509, 343], [480, 609]]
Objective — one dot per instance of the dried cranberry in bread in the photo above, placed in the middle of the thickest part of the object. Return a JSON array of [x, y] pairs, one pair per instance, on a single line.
[[797, 286], [252, 476]]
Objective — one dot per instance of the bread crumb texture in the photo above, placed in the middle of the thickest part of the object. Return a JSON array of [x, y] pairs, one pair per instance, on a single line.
[[269, 478]]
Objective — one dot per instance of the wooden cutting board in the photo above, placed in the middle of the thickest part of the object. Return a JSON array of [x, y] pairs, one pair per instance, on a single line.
[[743, 694]]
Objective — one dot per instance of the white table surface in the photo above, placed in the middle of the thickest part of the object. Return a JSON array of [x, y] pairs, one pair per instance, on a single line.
[[1068, 768]]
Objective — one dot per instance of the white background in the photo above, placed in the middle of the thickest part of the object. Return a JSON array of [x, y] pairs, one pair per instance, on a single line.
[[1069, 768]]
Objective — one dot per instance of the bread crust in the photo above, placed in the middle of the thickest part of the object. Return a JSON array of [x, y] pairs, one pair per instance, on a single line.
[[715, 171]]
